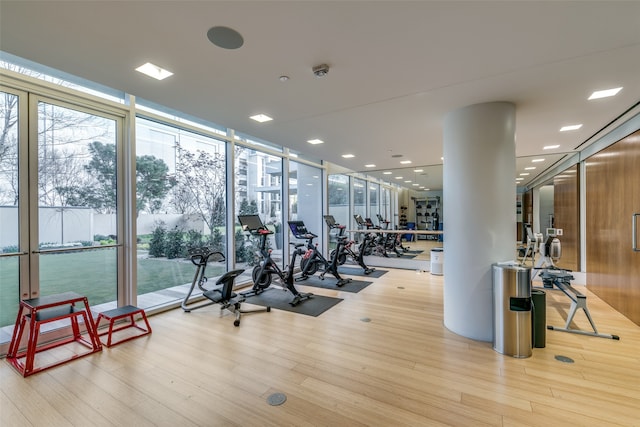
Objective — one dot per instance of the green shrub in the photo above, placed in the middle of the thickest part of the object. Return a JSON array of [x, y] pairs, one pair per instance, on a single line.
[[194, 239], [174, 244], [158, 240]]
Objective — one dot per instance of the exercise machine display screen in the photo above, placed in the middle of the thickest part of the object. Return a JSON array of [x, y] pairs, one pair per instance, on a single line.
[[330, 220], [298, 228], [250, 222]]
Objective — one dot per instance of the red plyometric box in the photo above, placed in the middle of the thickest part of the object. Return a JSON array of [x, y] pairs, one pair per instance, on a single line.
[[121, 313]]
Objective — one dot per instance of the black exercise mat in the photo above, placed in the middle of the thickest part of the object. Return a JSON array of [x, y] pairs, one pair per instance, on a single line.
[[329, 282], [277, 298], [417, 251], [404, 255], [359, 271]]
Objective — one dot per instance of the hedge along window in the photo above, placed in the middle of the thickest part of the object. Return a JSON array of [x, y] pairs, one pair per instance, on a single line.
[[258, 187], [180, 204]]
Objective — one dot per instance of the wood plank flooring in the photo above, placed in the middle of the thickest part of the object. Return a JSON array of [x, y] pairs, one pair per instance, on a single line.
[[401, 368]]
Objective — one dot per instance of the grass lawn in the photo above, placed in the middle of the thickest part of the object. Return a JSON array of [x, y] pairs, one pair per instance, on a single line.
[[93, 274]]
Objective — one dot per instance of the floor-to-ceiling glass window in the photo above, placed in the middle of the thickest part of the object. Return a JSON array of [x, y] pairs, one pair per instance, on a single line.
[[258, 186], [374, 204], [360, 197], [305, 198], [385, 206], [338, 194], [180, 205], [10, 227], [77, 197]]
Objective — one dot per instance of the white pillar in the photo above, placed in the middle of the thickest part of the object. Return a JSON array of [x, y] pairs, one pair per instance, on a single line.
[[480, 204]]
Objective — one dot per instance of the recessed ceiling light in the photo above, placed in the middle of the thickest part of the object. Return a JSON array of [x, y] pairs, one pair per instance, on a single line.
[[529, 168], [315, 141], [283, 78], [537, 160], [427, 189], [604, 93], [348, 156], [524, 174], [405, 162], [154, 71], [519, 179], [398, 177], [408, 181], [418, 170], [387, 173], [415, 185], [261, 118], [370, 165], [550, 147], [570, 127]]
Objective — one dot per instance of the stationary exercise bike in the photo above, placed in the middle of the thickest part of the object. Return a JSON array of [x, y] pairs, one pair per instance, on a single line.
[[222, 292], [393, 241], [263, 272], [346, 246], [312, 260], [373, 244]]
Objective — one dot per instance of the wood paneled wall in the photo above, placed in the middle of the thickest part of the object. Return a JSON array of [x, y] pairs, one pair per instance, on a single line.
[[527, 214], [612, 197], [566, 211]]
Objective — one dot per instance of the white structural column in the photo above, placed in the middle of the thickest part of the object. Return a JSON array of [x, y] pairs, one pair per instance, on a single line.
[[480, 206]]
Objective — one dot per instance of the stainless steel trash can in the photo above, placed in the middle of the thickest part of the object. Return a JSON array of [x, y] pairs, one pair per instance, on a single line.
[[437, 261], [512, 310]]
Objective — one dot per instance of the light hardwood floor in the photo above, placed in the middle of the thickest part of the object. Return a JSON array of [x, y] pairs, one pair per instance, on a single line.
[[403, 367]]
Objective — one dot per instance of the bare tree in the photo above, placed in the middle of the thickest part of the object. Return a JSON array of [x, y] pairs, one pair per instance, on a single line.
[[8, 149], [202, 176]]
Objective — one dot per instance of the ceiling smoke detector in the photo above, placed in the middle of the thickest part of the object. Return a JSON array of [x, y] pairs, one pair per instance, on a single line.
[[320, 70]]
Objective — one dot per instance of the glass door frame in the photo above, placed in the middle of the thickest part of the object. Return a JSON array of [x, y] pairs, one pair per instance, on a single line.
[[31, 288], [23, 184]]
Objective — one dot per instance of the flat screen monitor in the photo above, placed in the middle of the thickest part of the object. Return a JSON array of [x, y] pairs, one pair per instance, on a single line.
[[298, 229], [330, 220], [250, 223], [359, 219]]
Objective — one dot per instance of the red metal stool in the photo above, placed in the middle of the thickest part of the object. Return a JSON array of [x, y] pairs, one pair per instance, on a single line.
[[128, 311]]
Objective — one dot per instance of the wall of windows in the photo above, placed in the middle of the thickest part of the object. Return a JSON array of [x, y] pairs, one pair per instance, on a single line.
[[180, 205], [60, 167], [137, 206], [258, 191], [370, 198], [121, 192]]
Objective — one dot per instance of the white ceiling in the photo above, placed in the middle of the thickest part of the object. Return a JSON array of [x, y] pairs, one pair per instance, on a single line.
[[397, 68]]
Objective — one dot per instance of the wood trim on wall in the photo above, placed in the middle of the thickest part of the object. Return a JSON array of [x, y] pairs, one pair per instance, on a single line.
[[566, 210], [612, 196]]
